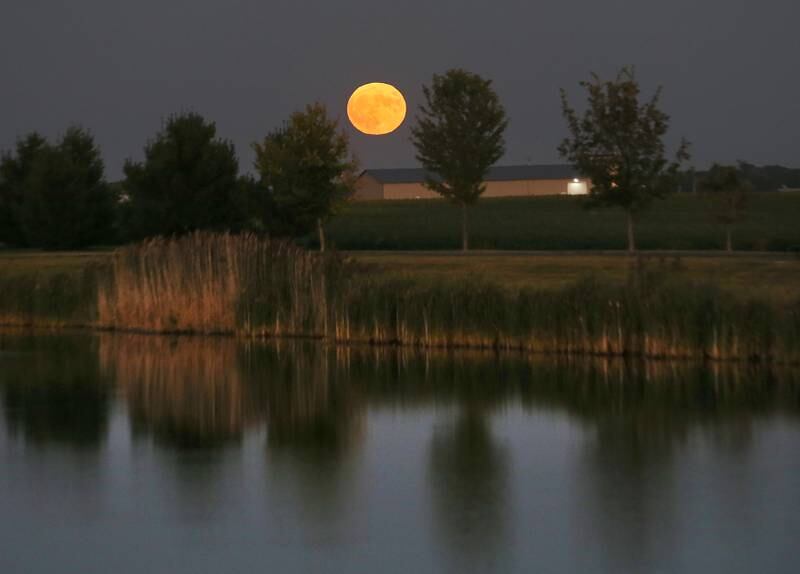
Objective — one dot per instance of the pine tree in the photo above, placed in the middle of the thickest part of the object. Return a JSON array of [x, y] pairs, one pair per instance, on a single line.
[[15, 170], [189, 181], [60, 196]]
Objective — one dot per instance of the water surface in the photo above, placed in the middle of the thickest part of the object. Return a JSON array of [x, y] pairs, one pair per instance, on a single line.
[[157, 454]]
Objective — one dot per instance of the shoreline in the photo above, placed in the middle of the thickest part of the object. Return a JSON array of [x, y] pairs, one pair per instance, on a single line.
[[251, 287], [414, 347]]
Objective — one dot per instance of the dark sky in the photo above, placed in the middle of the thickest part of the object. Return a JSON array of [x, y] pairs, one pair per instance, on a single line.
[[729, 67]]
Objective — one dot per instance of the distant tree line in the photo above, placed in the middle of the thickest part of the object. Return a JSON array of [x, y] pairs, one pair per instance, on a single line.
[[761, 177], [55, 196]]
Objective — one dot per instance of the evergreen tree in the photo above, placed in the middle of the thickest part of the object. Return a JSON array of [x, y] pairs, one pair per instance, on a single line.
[[15, 170], [306, 173], [458, 136], [618, 144], [61, 198], [188, 181]]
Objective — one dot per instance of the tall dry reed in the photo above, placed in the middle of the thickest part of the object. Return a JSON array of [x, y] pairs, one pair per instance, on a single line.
[[251, 286], [207, 283], [178, 387]]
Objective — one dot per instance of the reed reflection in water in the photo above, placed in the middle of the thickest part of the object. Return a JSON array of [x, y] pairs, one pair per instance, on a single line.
[[331, 457]]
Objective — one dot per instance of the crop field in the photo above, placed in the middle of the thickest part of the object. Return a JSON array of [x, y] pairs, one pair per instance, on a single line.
[[680, 222]]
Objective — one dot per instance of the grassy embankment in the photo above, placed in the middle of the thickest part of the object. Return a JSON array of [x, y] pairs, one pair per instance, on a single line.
[[52, 289], [770, 278], [681, 222], [250, 287]]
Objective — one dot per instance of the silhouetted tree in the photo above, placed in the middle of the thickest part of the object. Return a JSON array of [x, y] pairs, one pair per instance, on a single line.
[[306, 172], [188, 181], [618, 144], [458, 136], [770, 177], [58, 192], [726, 188], [15, 170]]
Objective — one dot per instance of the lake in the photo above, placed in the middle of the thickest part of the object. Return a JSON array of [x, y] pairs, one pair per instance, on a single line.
[[134, 453]]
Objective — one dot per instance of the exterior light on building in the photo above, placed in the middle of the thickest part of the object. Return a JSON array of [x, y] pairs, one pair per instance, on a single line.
[[577, 187]]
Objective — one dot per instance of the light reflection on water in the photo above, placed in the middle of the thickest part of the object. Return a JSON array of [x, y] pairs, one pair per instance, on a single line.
[[130, 453]]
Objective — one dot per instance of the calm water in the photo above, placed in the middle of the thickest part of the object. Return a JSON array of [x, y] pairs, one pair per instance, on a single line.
[[147, 454]]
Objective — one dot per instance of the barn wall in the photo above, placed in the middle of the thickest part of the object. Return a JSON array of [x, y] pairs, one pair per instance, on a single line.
[[506, 188], [407, 191], [526, 187], [367, 188], [549, 186], [493, 189]]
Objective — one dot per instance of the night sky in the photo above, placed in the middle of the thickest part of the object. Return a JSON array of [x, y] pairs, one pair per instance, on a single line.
[[729, 67]]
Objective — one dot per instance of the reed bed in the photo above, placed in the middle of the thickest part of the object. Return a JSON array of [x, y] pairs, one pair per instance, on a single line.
[[253, 287], [651, 317], [207, 283]]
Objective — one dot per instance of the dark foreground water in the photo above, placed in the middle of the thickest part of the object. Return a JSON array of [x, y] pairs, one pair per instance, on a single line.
[[150, 454]]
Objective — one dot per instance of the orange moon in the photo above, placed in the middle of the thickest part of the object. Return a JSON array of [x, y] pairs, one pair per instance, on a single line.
[[376, 109]]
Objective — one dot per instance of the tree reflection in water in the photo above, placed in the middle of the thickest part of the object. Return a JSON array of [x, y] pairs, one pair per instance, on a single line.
[[198, 398], [315, 421], [62, 401], [628, 482], [468, 475]]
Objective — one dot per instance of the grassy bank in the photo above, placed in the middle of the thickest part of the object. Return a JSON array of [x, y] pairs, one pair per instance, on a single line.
[[50, 289], [252, 287], [545, 223], [771, 278]]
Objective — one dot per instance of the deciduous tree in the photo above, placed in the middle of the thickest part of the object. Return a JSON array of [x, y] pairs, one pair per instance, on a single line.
[[458, 136], [618, 143], [306, 172], [726, 189]]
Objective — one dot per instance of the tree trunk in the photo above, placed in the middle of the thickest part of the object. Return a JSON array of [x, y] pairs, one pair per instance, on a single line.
[[728, 239], [321, 232], [464, 234], [631, 238]]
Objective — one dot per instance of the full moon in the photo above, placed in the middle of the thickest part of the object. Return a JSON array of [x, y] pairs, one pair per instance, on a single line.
[[376, 109]]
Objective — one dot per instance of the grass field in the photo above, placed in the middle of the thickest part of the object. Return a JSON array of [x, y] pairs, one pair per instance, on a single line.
[[28, 262], [683, 222], [770, 277], [774, 277]]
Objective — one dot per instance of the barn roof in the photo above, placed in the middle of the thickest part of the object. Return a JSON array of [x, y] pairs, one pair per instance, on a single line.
[[496, 173]]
